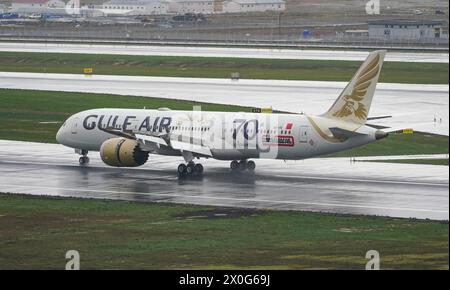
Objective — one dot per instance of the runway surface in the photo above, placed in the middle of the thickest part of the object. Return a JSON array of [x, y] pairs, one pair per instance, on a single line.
[[421, 107], [333, 185], [219, 52]]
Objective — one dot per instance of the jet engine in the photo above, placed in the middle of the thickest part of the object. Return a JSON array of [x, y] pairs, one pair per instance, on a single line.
[[122, 152]]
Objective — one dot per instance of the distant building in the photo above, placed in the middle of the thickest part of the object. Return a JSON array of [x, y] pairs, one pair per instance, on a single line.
[[356, 33], [224, 6], [4, 7], [218, 6], [134, 7], [192, 6], [36, 6], [239, 6], [405, 29]]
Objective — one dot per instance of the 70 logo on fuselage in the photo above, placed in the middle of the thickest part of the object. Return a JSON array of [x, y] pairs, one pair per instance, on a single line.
[[246, 127], [245, 133]]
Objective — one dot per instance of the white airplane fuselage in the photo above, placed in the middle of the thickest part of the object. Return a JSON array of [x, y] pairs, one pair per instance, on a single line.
[[275, 136]]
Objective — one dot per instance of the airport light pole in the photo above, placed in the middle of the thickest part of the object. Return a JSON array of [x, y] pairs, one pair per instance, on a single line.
[[279, 25]]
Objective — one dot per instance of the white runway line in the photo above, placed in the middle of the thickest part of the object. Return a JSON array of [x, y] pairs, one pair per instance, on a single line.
[[195, 51]]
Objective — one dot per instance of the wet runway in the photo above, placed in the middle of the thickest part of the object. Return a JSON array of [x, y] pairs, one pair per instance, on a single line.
[[330, 185], [198, 51]]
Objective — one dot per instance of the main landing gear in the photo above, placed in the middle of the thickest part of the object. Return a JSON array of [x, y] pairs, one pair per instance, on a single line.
[[190, 168], [84, 159], [243, 165]]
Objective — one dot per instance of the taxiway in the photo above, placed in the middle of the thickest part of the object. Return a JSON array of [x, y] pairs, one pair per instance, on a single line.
[[198, 51]]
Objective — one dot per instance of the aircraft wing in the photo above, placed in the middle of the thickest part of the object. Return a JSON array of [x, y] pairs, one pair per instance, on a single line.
[[198, 149], [120, 133], [157, 139], [150, 139], [161, 139]]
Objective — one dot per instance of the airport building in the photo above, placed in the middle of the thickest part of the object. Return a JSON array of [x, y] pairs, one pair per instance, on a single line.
[[193, 6], [224, 6], [239, 6], [151, 7], [3, 8], [37, 6], [406, 30], [134, 7]]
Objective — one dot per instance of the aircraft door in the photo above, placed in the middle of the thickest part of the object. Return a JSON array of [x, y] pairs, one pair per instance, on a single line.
[[303, 134], [75, 124]]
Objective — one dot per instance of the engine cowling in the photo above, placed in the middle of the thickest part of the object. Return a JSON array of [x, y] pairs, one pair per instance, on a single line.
[[122, 152]]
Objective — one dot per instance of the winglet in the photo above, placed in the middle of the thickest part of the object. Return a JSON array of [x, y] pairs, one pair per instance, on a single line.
[[354, 102]]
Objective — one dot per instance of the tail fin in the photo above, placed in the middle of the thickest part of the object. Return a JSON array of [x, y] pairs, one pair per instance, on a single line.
[[354, 102]]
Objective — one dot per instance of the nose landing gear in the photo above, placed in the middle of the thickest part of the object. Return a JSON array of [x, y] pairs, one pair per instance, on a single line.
[[84, 159]]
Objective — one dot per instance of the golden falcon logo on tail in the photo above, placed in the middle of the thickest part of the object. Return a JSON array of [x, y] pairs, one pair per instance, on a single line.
[[353, 103]]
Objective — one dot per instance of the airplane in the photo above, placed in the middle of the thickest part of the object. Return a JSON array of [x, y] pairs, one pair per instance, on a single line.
[[127, 137]]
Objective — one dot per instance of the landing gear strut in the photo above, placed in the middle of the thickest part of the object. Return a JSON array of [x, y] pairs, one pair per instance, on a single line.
[[242, 165], [84, 159], [190, 168]]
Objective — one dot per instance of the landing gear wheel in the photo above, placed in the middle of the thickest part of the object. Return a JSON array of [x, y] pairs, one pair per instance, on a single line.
[[182, 169], [198, 168], [190, 168], [251, 166], [84, 160], [242, 165], [234, 165]]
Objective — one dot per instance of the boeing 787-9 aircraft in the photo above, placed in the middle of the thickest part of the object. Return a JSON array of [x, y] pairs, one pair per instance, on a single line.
[[127, 137]]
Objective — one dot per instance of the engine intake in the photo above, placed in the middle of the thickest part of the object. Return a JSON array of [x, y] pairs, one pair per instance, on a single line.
[[122, 152]]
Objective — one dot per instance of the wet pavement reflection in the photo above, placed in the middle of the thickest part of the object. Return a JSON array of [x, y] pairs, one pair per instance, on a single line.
[[327, 185]]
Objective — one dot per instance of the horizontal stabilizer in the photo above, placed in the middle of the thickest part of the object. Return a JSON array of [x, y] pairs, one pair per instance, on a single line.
[[343, 133], [378, 118]]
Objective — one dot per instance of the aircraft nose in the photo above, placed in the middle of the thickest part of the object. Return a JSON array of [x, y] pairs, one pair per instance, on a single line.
[[59, 135]]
